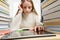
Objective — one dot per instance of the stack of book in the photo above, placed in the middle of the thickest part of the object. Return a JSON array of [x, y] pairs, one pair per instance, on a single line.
[[4, 15], [51, 15]]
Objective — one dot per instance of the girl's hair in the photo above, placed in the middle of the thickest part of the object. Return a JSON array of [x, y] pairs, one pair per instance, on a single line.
[[33, 10]]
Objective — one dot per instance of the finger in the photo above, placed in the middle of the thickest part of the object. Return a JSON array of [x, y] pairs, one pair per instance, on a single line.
[[37, 30], [40, 27], [40, 30], [34, 30]]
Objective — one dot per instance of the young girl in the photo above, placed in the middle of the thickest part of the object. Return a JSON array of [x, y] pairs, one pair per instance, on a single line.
[[27, 17]]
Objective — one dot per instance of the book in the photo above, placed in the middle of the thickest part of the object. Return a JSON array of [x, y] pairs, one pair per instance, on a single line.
[[52, 16], [48, 3], [4, 26], [4, 1], [3, 15], [1, 22], [51, 8], [4, 19], [2, 4], [3, 8]]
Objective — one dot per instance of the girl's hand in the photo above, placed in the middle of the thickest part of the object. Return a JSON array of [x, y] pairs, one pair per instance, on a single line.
[[38, 29], [20, 8]]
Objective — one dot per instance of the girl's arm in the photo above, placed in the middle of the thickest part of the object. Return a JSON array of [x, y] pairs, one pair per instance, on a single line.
[[16, 21], [38, 21], [39, 26]]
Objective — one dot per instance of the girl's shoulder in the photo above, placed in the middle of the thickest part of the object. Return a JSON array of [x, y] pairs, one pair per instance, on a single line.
[[33, 13]]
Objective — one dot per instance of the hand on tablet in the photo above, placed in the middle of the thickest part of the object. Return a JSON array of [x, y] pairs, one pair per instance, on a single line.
[[38, 29]]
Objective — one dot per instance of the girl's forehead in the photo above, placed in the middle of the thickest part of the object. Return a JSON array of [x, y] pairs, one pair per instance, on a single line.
[[27, 3], [25, 0]]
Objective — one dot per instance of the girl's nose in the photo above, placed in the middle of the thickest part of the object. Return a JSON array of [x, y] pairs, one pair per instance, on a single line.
[[27, 9]]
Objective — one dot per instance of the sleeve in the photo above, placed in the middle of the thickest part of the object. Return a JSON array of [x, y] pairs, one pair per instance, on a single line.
[[38, 21], [16, 21]]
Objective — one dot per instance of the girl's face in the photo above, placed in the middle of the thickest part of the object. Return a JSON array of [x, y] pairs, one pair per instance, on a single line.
[[27, 7]]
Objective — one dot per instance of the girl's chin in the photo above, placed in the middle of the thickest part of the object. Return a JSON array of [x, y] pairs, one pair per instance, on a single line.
[[26, 13]]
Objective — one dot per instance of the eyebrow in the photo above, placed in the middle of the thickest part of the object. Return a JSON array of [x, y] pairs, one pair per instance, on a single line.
[[24, 0]]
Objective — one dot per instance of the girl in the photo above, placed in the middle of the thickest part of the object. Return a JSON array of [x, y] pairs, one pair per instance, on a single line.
[[27, 17]]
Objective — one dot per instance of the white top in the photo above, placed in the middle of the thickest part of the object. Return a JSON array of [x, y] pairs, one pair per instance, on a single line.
[[25, 21], [30, 20]]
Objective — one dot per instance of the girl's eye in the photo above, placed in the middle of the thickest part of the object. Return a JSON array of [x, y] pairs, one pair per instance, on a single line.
[[29, 7], [22, 0], [24, 7]]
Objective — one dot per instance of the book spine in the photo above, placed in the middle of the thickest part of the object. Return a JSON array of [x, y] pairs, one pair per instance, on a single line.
[[2, 4]]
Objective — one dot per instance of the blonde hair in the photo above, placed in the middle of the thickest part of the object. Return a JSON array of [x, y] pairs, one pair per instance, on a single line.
[[33, 10]]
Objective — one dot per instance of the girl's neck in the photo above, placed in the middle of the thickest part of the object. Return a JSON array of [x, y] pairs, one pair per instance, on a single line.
[[25, 15]]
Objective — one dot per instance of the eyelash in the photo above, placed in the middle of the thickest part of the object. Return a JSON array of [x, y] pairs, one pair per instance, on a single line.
[[29, 7], [24, 7]]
